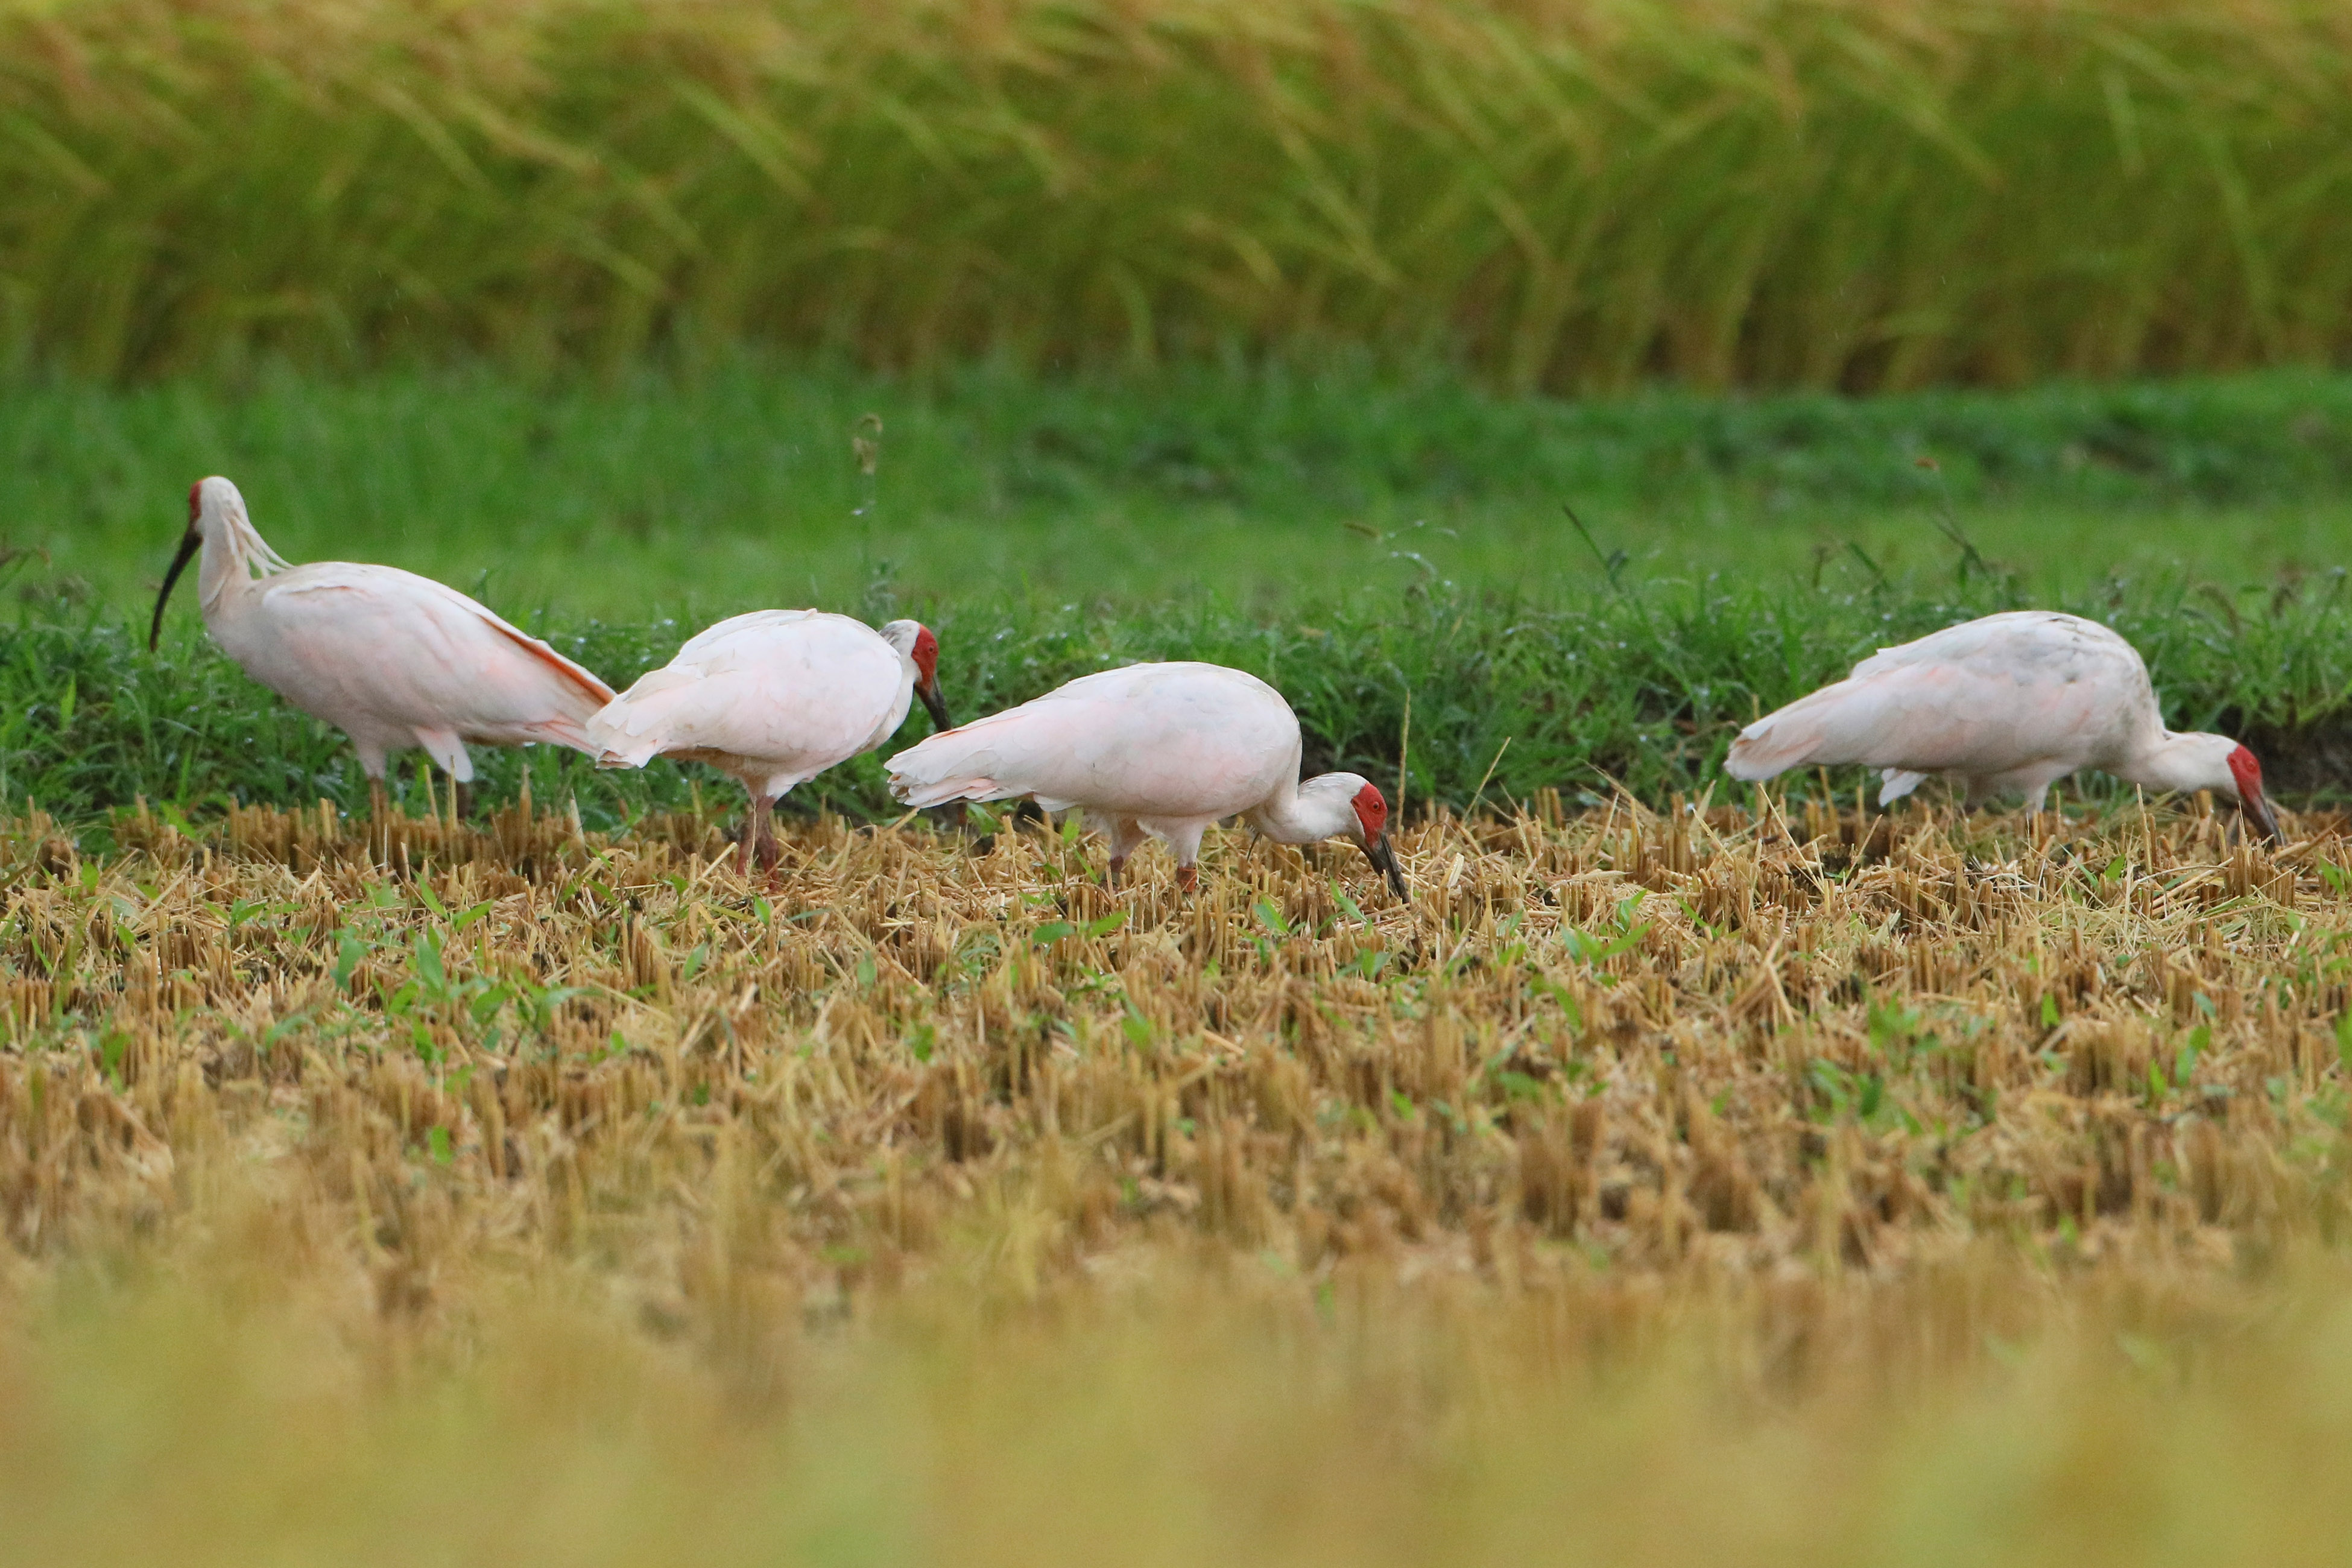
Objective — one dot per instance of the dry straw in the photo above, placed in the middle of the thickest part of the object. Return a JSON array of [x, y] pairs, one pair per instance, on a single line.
[[1774, 1195], [1700, 1052], [1568, 195]]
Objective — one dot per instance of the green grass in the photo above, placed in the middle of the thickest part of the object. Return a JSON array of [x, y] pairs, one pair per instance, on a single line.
[[1366, 544], [1824, 192], [656, 495]]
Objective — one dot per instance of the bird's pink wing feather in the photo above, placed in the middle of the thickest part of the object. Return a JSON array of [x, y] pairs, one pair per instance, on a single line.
[[405, 651], [1980, 699], [793, 691], [1168, 741]]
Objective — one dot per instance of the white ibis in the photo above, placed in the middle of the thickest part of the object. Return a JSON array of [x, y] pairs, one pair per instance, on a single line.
[[1158, 748], [392, 659], [771, 698], [2008, 704]]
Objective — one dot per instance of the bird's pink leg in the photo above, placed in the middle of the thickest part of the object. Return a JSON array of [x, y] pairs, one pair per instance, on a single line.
[[755, 828], [379, 803], [1189, 879], [1124, 833]]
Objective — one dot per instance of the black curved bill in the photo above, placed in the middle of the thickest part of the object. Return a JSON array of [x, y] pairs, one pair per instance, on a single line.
[[190, 542], [1384, 861], [2257, 810], [929, 692]]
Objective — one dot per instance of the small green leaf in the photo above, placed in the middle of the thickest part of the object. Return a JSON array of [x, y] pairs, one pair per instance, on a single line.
[[436, 1139], [347, 960], [429, 968], [112, 1047]]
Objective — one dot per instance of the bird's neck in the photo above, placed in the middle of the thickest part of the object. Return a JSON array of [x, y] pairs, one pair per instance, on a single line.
[[236, 559], [2176, 763], [1307, 813]]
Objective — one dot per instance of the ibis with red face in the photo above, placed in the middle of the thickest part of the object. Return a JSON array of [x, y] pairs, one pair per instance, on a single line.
[[392, 659], [1155, 750], [773, 698], [2007, 704]]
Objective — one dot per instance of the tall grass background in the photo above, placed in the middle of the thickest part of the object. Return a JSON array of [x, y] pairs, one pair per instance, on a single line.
[[1562, 195]]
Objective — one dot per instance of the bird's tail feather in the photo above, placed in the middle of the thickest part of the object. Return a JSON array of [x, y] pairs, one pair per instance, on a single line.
[[1899, 781], [956, 765], [577, 733], [944, 792], [1770, 746]]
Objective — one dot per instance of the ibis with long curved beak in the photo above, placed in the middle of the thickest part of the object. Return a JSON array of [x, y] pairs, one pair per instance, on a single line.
[[391, 658]]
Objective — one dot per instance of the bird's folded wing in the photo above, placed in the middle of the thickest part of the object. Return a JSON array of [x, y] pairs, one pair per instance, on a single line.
[[1047, 747], [803, 703], [1923, 717], [395, 634]]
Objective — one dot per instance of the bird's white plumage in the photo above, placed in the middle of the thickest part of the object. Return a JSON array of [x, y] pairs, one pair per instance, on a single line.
[[1164, 740], [392, 659], [2008, 704], [772, 697], [1159, 749]]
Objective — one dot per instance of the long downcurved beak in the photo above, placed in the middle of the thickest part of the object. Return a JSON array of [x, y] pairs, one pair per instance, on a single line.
[[929, 691], [190, 542], [1384, 861], [2257, 810]]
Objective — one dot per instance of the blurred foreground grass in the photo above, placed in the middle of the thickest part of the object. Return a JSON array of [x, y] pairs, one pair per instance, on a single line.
[[1182, 1413]]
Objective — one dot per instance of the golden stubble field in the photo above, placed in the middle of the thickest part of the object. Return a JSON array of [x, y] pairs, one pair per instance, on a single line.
[[1828, 1112]]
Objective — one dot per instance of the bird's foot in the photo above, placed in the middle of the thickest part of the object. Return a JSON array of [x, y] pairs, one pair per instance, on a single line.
[[1188, 878]]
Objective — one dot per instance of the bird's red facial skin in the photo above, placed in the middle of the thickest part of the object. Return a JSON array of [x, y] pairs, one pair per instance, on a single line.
[[926, 654], [2247, 770], [1372, 811], [196, 503]]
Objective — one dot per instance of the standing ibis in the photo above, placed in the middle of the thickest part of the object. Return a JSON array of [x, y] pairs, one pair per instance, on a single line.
[[771, 698], [392, 659], [2007, 704], [1158, 748]]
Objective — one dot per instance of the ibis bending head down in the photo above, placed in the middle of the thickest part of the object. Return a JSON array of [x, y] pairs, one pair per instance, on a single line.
[[2008, 704], [392, 659], [1161, 750], [771, 698]]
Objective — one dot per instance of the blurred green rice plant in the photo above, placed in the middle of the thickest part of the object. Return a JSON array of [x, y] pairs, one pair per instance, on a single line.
[[1566, 194]]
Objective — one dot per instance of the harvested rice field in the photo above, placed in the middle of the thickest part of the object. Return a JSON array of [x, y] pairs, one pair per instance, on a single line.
[[1671, 1042], [413, 1162]]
